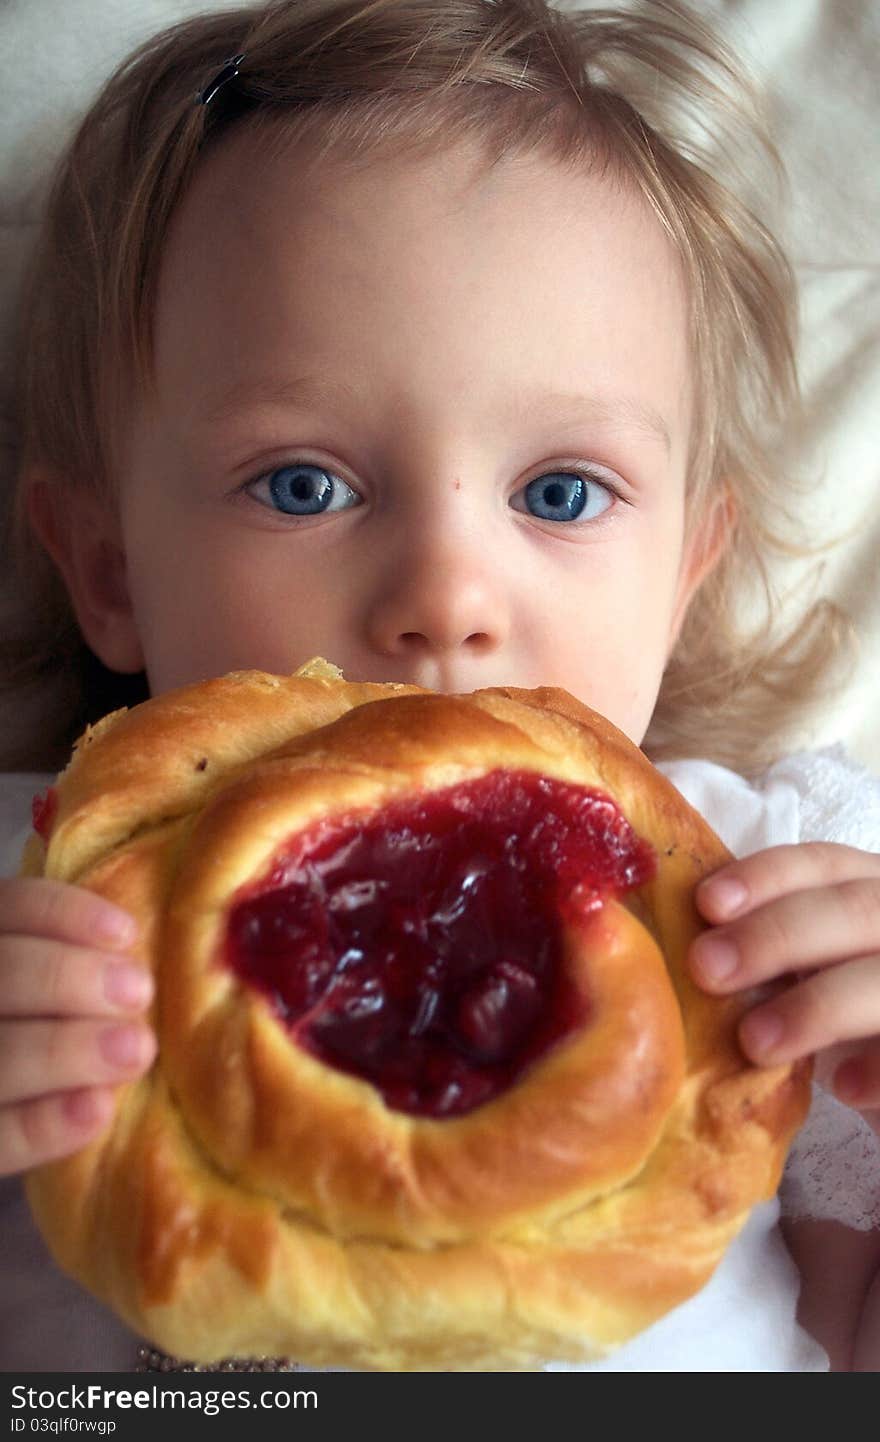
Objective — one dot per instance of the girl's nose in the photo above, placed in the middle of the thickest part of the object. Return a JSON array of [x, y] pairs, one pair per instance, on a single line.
[[438, 599]]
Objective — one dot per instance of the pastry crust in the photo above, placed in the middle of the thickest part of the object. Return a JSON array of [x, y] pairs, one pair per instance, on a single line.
[[250, 1199]]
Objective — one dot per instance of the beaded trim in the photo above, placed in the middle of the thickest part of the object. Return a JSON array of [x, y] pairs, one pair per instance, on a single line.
[[151, 1360]]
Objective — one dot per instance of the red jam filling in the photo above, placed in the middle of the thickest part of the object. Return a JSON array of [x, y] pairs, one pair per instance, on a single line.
[[421, 949], [44, 808]]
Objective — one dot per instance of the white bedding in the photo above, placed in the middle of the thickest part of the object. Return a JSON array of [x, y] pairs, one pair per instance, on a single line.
[[817, 62]]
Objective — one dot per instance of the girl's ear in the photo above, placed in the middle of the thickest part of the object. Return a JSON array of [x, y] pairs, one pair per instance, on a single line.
[[703, 550], [82, 536]]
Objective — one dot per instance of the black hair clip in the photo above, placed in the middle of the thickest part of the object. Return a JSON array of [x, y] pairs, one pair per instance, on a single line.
[[229, 72]]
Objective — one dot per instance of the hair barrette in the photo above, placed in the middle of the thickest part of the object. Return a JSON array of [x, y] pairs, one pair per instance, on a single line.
[[223, 76]]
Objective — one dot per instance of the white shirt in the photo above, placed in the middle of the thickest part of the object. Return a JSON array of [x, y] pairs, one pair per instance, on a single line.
[[743, 1320]]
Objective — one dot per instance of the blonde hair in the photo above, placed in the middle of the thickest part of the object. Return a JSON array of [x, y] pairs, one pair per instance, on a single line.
[[648, 91]]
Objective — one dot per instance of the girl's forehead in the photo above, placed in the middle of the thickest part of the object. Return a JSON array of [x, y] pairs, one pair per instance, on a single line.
[[259, 178], [417, 269]]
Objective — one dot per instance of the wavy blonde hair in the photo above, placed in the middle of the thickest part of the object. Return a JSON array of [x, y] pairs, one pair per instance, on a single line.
[[647, 90]]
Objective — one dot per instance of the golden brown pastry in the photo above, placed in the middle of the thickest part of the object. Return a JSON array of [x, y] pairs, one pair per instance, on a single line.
[[433, 1090]]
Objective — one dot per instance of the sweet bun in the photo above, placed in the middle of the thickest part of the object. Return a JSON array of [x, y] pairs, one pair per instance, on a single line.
[[433, 1088]]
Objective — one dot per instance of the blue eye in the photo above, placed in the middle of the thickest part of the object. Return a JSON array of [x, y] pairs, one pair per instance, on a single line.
[[565, 496], [304, 490]]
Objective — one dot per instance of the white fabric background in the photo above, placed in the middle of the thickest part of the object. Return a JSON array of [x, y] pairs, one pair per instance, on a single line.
[[816, 60]]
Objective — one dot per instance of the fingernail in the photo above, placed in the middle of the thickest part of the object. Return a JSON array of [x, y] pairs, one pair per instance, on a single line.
[[129, 1047], [727, 896], [717, 958], [116, 927], [762, 1032], [127, 986], [849, 1082], [87, 1108]]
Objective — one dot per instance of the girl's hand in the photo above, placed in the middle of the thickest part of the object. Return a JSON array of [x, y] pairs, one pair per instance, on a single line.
[[71, 1018], [808, 915]]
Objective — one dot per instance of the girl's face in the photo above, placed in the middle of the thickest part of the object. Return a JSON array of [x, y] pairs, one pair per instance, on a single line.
[[428, 420]]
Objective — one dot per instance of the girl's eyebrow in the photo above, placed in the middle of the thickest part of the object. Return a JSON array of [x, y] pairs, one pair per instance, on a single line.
[[253, 394], [614, 411], [568, 408]]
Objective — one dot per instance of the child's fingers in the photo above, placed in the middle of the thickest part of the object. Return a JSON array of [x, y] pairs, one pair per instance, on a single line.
[[743, 885], [37, 907], [37, 1057], [839, 1004], [794, 932], [51, 1126], [42, 978]]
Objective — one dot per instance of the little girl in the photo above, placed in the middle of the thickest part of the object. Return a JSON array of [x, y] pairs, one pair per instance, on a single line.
[[439, 338]]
